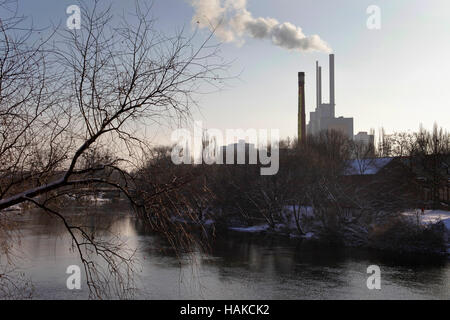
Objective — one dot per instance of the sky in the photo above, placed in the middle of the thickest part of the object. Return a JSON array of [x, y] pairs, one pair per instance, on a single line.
[[396, 77]]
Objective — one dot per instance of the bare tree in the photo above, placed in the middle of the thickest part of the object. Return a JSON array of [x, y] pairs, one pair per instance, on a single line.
[[87, 90], [426, 153], [429, 157]]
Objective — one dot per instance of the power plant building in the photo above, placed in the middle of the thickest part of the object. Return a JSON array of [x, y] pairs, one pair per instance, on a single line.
[[323, 118]]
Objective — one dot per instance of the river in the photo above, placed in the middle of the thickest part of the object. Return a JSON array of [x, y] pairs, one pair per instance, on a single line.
[[238, 266]]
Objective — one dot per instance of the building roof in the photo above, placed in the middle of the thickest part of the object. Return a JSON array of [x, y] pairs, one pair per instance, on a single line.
[[369, 166]]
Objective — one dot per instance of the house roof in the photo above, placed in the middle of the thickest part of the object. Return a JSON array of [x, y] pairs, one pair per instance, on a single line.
[[369, 166]]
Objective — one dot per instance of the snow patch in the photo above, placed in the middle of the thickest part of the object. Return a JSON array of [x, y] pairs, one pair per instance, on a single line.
[[431, 216], [252, 229], [16, 207], [309, 235], [208, 222]]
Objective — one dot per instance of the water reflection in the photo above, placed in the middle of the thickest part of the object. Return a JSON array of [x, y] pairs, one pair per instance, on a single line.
[[237, 266]]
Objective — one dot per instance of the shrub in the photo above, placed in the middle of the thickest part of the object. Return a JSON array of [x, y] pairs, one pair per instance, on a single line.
[[402, 235]]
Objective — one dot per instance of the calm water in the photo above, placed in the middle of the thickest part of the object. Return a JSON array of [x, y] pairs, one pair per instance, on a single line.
[[238, 267]]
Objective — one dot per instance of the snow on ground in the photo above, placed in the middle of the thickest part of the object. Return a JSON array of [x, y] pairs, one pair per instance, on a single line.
[[97, 199], [252, 229], [16, 207], [289, 225], [208, 222], [278, 227], [309, 235], [432, 216]]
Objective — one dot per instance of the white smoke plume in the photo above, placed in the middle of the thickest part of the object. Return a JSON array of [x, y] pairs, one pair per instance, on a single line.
[[233, 21]]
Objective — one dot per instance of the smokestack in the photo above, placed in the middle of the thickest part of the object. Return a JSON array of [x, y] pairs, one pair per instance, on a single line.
[[301, 134], [317, 85], [320, 85], [332, 101]]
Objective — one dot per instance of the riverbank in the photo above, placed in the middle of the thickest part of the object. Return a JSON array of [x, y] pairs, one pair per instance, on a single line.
[[417, 233], [414, 233]]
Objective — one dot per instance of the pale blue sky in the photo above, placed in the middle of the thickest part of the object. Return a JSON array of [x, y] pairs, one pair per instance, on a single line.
[[396, 77]]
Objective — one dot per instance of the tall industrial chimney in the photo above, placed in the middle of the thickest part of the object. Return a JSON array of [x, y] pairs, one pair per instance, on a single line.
[[320, 85], [301, 134], [332, 101], [317, 85]]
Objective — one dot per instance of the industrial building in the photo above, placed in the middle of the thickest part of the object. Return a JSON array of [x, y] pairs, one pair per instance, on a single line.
[[365, 138], [324, 117]]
